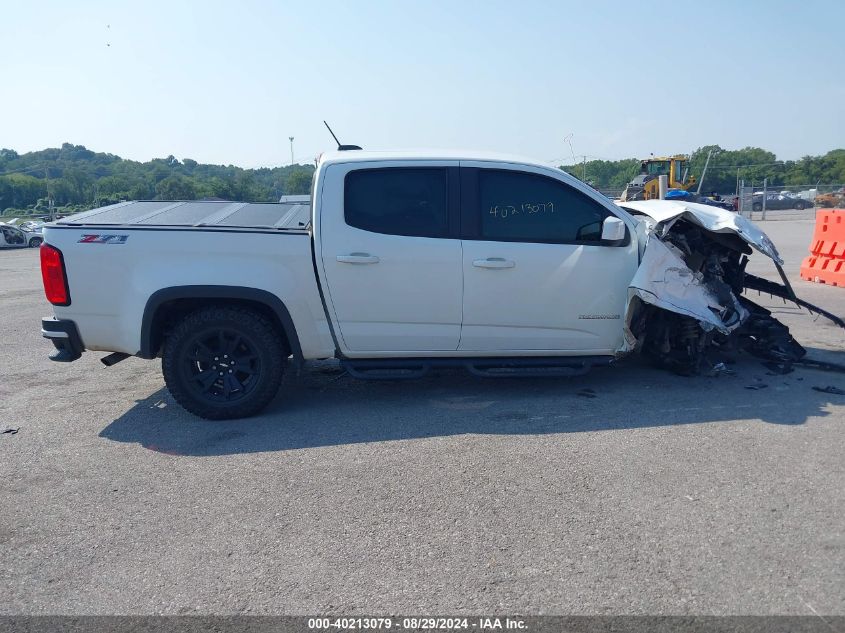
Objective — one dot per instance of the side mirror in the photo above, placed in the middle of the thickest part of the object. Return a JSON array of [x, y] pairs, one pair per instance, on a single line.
[[612, 229]]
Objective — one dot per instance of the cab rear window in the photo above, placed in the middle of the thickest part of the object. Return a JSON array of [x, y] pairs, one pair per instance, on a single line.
[[398, 201]]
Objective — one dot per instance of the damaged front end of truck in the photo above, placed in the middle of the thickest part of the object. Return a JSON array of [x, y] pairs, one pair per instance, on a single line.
[[686, 309]]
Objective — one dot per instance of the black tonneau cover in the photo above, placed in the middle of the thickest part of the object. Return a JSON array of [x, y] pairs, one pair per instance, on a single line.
[[265, 215]]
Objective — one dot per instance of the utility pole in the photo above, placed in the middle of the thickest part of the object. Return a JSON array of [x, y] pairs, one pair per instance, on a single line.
[[291, 149], [584, 167], [765, 195], [704, 173], [49, 197]]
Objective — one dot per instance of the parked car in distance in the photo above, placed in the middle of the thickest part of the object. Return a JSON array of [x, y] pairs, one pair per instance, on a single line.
[[30, 226], [14, 237], [732, 202], [721, 203], [776, 201], [831, 199]]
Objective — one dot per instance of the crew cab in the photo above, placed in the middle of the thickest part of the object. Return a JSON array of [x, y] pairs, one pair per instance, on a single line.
[[400, 263]]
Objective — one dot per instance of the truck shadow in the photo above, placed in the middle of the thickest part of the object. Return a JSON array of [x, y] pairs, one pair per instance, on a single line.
[[325, 407]]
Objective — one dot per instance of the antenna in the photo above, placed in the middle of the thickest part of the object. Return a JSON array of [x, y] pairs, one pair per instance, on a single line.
[[340, 148], [332, 133]]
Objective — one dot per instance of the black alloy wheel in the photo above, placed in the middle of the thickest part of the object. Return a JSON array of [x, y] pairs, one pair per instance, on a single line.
[[224, 362], [221, 365]]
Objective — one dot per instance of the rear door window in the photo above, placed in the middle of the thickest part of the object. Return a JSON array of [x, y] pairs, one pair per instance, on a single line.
[[398, 201], [519, 206]]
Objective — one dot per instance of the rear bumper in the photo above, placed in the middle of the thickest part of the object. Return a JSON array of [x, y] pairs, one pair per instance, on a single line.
[[65, 338]]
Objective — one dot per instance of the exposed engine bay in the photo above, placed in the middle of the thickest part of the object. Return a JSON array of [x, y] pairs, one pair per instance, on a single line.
[[686, 310]]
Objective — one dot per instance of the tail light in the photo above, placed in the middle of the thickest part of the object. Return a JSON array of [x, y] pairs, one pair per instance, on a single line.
[[54, 276]]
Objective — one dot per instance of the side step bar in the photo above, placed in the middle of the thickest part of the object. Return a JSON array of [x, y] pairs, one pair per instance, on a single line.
[[512, 367]]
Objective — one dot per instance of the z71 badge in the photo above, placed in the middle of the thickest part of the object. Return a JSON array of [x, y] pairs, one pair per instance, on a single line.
[[103, 239]]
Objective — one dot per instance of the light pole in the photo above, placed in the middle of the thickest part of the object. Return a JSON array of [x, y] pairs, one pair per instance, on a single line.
[[291, 149]]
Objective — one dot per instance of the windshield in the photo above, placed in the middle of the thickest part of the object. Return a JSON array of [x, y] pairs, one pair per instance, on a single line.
[[658, 168], [680, 173]]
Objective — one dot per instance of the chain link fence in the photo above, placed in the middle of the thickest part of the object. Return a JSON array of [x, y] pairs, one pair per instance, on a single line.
[[761, 201]]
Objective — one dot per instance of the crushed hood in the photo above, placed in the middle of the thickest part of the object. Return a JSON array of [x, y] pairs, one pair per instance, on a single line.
[[664, 280], [665, 213], [692, 270]]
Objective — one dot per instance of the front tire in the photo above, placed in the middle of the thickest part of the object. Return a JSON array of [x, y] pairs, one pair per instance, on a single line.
[[35, 242], [222, 363], [800, 206], [757, 206]]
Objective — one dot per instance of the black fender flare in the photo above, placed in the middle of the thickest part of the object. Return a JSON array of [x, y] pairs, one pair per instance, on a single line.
[[268, 299]]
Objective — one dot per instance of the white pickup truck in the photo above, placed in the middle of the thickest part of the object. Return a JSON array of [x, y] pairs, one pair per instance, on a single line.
[[403, 262]]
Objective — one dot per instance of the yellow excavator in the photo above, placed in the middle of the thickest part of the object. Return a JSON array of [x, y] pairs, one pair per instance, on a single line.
[[645, 185]]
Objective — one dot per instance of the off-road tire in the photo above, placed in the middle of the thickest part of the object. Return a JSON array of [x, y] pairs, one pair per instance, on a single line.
[[191, 358]]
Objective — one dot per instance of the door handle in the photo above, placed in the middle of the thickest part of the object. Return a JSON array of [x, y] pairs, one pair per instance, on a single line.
[[494, 262], [358, 258]]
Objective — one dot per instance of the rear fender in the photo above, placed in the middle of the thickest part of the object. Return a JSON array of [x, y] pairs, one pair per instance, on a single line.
[[151, 336]]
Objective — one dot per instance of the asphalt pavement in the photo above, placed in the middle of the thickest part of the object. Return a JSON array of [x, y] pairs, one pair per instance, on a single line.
[[626, 491]]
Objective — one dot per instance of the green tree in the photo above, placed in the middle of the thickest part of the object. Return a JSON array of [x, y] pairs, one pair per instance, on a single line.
[[298, 183], [21, 190], [605, 174], [176, 188], [750, 163]]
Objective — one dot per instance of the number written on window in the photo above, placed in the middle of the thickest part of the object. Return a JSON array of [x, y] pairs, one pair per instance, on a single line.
[[520, 206], [508, 211]]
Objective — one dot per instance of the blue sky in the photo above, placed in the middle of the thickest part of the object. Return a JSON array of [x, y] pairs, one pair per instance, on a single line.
[[229, 82]]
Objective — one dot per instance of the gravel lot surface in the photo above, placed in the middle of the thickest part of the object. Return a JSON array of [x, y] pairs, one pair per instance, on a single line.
[[451, 494]]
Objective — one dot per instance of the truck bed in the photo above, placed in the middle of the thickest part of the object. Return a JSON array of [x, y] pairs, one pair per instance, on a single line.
[[194, 213]]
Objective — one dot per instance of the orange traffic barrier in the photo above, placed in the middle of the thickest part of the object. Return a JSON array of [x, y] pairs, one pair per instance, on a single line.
[[826, 262]]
